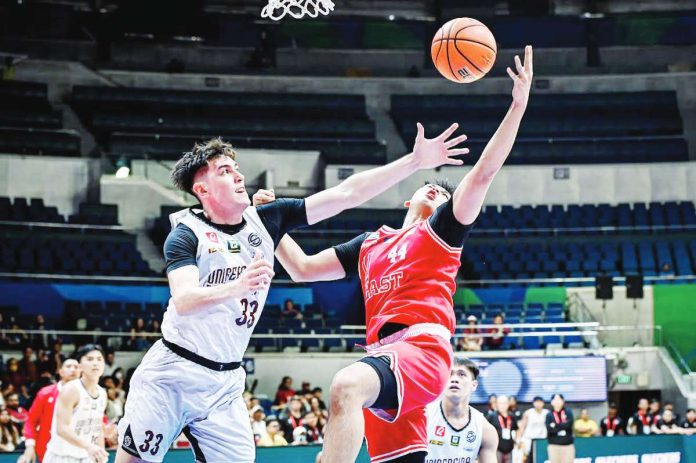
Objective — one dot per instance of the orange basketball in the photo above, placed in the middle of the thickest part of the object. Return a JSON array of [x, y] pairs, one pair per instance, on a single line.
[[464, 50]]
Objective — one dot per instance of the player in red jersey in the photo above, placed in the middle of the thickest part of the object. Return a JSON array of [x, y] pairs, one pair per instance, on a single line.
[[37, 428], [408, 279]]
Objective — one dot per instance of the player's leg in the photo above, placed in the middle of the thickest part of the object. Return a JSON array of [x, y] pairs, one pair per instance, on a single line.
[[123, 457], [352, 389]]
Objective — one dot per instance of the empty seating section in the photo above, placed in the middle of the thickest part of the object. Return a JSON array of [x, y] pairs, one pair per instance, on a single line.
[[28, 124], [163, 123], [559, 128], [34, 210]]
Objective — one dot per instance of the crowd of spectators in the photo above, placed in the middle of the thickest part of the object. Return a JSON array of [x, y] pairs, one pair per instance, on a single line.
[[477, 339]]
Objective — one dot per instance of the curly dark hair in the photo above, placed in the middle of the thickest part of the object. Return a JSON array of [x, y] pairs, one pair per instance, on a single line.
[[186, 168], [442, 183]]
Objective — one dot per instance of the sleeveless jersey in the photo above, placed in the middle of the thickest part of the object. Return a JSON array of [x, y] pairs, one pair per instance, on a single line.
[[87, 420], [408, 276], [448, 445], [221, 331], [536, 424]]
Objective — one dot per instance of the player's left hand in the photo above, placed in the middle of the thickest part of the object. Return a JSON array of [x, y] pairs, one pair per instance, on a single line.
[[435, 152], [263, 197], [523, 79]]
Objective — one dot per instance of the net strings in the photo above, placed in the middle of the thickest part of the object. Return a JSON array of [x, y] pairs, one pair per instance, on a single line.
[[277, 9]]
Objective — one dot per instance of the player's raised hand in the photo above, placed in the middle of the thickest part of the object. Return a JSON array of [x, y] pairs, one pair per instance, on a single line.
[[257, 276], [97, 454], [438, 151], [523, 78], [263, 197]]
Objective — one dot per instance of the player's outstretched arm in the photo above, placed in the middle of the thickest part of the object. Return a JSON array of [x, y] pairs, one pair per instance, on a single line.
[[361, 187], [489, 444], [469, 196]]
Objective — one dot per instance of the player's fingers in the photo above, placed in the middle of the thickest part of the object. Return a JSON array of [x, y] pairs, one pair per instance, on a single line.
[[529, 59], [421, 131], [518, 65], [455, 141], [512, 75], [448, 132], [457, 152], [455, 162], [258, 255]]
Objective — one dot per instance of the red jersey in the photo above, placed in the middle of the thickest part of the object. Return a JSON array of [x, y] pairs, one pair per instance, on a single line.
[[408, 276], [38, 424]]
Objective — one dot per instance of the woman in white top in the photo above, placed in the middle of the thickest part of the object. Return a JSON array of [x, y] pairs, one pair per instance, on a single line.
[[77, 434], [533, 425]]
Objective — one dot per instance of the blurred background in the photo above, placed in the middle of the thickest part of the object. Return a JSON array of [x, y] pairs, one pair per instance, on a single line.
[[585, 253]]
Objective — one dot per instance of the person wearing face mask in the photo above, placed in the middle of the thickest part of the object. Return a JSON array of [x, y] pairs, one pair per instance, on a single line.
[[559, 427]]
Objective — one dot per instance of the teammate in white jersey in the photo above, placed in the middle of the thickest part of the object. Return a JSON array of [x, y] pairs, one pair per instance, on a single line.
[[457, 432], [533, 426], [219, 259], [77, 434]]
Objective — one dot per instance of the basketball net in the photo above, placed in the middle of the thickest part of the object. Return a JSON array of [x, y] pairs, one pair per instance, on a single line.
[[277, 9]]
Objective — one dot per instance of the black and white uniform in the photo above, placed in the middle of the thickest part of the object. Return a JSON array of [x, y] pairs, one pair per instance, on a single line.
[[447, 444], [191, 381]]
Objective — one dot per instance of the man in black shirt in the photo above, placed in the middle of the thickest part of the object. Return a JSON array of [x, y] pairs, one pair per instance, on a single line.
[[641, 421], [612, 424], [559, 424], [689, 422]]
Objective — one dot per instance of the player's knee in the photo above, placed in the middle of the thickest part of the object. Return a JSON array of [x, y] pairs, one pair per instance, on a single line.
[[345, 388]]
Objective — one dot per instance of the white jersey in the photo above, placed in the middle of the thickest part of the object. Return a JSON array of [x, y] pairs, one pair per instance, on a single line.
[[87, 419], [221, 332], [536, 424], [449, 445]]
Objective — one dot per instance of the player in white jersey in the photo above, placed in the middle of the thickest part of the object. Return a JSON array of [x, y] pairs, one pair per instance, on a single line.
[[457, 432], [219, 259], [77, 434], [533, 425]]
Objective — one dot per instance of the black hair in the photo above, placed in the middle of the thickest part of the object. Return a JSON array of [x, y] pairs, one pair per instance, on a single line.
[[689, 410], [442, 183], [558, 394], [612, 405], [86, 349], [185, 168], [316, 389], [468, 364]]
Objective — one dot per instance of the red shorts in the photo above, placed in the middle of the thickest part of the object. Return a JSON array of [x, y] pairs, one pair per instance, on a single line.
[[421, 365]]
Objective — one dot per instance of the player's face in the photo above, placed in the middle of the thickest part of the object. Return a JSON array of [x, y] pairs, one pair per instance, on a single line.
[[428, 197], [69, 370], [461, 383], [223, 184], [92, 365]]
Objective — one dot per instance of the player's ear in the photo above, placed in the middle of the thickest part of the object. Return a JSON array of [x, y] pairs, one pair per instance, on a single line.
[[474, 385], [199, 189], [407, 204]]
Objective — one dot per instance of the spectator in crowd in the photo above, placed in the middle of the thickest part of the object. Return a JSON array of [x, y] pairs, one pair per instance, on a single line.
[[154, 327], [27, 367], [37, 428], [667, 424], [290, 311], [559, 428], [114, 405], [496, 335], [258, 423], [514, 411], [110, 362], [666, 270], [689, 421], [315, 430], [492, 406], [12, 376], [670, 406], [274, 436], [321, 413], [18, 414], [612, 424], [24, 397], [292, 418], [17, 339], [317, 391], [641, 421], [306, 388], [45, 339], [10, 436], [585, 426], [43, 363], [533, 426], [138, 339], [505, 424], [299, 436], [285, 391], [655, 411], [469, 342]]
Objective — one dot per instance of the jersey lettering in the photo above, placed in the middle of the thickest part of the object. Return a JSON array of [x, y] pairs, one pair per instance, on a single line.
[[384, 284], [223, 275], [397, 253]]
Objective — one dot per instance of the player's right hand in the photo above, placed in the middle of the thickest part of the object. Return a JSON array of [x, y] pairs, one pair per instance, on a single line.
[[430, 153], [97, 454], [263, 197], [257, 276], [29, 455]]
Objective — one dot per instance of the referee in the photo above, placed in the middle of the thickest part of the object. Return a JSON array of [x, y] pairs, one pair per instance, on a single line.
[[559, 424]]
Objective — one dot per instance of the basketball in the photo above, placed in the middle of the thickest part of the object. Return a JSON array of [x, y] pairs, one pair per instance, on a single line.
[[464, 50]]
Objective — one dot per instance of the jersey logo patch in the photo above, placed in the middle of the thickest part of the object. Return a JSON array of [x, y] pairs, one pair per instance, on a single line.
[[436, 442], [212, 236], [454, 441], [234, 246], [470, 436], [254, 240], [440, 431]]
